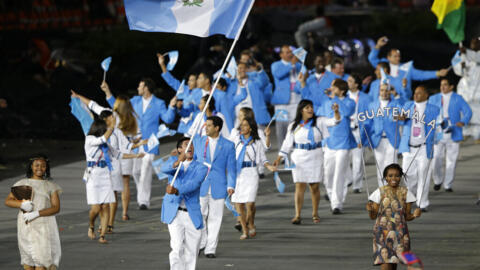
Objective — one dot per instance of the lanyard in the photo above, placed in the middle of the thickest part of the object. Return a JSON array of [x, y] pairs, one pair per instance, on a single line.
[[205, 151]]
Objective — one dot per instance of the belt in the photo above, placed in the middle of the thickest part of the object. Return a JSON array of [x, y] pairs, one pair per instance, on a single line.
[[384, 136], [355, 127], [246, 164], [101, 164], [307, 146], [182, 209], [416, 146]]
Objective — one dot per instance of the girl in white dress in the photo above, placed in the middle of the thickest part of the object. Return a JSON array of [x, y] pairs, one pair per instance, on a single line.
[[98, 176], [244, 113], [38, 238], [250, 152], [304, 139], [198, 126], [121, 140]]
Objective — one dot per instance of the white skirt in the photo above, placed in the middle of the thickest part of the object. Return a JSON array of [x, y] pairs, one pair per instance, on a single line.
[[308, 165], [247, 186], [117, 180], [99, 187], [127, 166]]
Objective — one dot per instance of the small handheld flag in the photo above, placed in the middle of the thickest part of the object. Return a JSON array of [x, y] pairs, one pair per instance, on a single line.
[[163, 131], [172, 60], [301, 54], [281, 116], [82, 113], [409, 258], [105, 66], [152, 142], [383, 78], [181, 91], [406, 67], [456, 59], [229, 205], [278, 182], [289, 164], [232, 67], [157, 165]]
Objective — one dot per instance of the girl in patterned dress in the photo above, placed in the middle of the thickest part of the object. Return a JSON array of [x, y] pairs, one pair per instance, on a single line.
[[391, 206]]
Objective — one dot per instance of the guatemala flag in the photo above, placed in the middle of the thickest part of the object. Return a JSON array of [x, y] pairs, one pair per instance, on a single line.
[[200, 18]]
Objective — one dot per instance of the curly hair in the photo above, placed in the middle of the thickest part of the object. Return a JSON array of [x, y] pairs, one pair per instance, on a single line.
[[393, 166], [28, 169]]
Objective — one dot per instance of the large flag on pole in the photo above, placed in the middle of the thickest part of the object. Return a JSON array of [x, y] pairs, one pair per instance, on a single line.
[[451, 18], [200, 18]]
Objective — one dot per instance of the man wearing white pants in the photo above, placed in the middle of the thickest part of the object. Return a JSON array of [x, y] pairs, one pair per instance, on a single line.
[[362, 100], [383, 129], [149, 110], [418, 136], [218, 154], [338, 144], [181, 207], [286, 95], [455, 113]]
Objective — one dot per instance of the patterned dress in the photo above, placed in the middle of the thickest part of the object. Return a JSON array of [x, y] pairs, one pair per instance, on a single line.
[[390, 232]]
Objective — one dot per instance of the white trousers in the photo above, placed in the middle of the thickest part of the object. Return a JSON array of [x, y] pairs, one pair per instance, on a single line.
[[355, 172], [449, 149], [418, 176], [142, 174], [212, 213], [336, 163], [385, 155], [184, 241]]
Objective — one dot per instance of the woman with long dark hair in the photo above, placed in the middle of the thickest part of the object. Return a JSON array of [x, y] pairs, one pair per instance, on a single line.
[[250, 153], [98, 176], [123, 137], [38, 238], [303, 141]]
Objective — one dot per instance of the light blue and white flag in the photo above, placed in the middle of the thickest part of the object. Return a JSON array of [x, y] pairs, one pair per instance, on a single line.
[[406, 67], [281, 116], [289, 165], [232, 67], [106, 63], [457, 58], [383, 77], [82, 113], [301, 54], [229, 205], [163, 131], [193, 17], [181, 91], [105, 66], [152, 142], [172, 59], [157, 167], [278, 182]]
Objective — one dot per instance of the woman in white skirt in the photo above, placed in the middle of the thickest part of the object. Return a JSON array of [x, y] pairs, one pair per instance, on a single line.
[[121, 140], [198, 126], [37, 230], [304, 139], [98, 174], [250, 152], [245, 113]]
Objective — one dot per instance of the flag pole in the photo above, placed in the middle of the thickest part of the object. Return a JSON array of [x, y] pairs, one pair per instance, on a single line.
[[215, 84]]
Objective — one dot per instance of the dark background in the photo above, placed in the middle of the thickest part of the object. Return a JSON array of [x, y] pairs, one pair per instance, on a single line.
[[48, 47]]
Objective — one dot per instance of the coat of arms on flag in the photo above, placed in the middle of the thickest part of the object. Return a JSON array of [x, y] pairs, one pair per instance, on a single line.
[[191, 3]]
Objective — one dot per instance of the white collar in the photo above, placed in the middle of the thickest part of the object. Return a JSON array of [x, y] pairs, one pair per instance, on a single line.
[[447, 95], [147, 99], [421, 104], [318, 75], [213, 139], [285, 62]]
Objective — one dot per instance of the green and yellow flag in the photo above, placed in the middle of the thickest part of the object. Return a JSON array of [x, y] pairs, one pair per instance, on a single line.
[[451, 18]]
